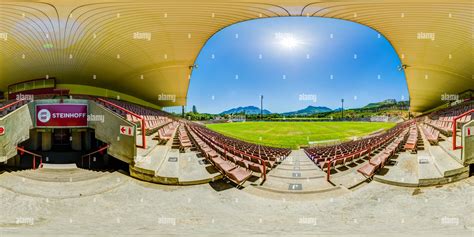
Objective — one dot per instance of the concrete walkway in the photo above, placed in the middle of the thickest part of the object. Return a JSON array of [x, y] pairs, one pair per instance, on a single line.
[[130, 207], [164, 164], [431, 165]]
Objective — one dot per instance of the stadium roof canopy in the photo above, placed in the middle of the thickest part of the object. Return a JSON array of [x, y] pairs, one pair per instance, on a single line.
[[77, 41]]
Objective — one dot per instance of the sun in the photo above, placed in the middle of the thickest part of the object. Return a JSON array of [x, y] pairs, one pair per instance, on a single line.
[[287, 41]]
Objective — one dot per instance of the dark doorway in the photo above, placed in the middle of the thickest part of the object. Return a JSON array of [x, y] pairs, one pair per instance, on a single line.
[[62, 139], [91, 153]]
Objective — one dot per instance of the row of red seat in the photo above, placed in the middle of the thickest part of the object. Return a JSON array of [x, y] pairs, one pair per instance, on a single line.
[[151, 121], [234, 158], [412, 141], [442, 119], [232, 171], [446, 127], [9, 106], [183, 138], [165, 133], [447, 114], [348, 152], [154, 119], [430, 133], [381, 158], [269, 154], [138, 109]]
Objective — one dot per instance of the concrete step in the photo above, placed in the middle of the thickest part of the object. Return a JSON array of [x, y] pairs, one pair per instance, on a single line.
[[450, 139], [403, 172], [297, 174], [427, 169], [194, 170], [445, 163], [150, 162], [60, 175], [302, 165], [169, 169], [299, 168], [349, 179], [282, 185], [31, 186], [448, 148], [300, 160], [59, 166]]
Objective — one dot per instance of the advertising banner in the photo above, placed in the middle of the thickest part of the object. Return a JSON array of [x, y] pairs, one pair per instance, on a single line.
[[61, 115]]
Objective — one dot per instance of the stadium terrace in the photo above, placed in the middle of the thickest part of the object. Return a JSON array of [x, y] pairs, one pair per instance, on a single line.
[[236, 118]]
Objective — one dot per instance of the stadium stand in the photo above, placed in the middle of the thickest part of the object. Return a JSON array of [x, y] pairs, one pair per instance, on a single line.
[[431, 125], [430, 133], [155, 120], [442, 119], [412, 141], [166, 132], [332, 156], [380, 159], [235, 159], [183, 138]]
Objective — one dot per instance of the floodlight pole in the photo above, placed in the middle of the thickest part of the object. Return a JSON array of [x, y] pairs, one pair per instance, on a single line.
[[342, 109], [261, 107]]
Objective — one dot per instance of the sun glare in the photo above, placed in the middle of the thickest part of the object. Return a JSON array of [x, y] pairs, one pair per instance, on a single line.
[[287, 40]]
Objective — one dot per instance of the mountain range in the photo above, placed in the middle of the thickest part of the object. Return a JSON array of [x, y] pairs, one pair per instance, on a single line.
[[387, 103], [245, 110], [308, 111], [312, 109]]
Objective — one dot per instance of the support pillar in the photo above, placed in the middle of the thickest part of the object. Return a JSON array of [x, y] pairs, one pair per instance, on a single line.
[[34, 140], [76, 143], [46, 141], [87, 140]]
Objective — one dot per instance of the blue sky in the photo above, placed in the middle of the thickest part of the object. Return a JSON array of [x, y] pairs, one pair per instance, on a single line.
[[295, 62]]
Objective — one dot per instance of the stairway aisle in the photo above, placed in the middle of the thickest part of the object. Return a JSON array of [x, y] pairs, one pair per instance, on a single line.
[[297, 174]]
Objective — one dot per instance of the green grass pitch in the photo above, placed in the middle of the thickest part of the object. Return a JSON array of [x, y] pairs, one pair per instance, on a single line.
[[295, 134]]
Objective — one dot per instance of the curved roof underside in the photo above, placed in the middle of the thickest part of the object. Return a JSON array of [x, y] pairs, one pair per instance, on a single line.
[[74, 40]]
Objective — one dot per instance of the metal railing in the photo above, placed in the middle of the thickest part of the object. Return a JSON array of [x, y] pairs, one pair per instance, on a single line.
[[455, 146], [92, 153], [133, 114], [23, 151], [11, 104]]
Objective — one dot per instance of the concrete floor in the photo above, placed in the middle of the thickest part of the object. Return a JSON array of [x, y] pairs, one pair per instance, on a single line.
[[136, 208]]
